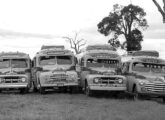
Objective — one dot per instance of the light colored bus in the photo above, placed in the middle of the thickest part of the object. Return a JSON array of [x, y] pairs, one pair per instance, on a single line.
[[98, 66], [145, 73], [54, 68], [15, 71]]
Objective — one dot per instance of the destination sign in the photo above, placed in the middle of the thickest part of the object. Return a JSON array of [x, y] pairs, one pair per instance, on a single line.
[[100, 47], [151, 60], [146, 53], [55, 52], [52, 47], [104, 55]]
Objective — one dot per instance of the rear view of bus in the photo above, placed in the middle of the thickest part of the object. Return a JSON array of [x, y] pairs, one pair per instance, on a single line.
[[15, 72], [54, 68]]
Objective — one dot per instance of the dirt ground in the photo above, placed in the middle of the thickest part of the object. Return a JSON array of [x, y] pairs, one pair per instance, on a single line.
[[65, 106]]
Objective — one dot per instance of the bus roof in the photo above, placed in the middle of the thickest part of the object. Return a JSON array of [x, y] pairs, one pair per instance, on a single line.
[[14, 55], [54, 51], [100, 47], [100, 54], [52, 47], [151, 53], [144, 59]]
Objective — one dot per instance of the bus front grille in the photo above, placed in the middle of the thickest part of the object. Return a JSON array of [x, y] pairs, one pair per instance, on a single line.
[[58, 77], [155, 87], [11, 80], [107, 80]]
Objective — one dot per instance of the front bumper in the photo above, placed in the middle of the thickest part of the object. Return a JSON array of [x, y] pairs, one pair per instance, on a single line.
[[107, 87], [152, 89], [59, 85], [3, 86], [150, 93]]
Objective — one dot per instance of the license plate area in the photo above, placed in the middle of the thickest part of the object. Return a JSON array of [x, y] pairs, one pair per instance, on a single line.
[[109, 85], [60, 84]]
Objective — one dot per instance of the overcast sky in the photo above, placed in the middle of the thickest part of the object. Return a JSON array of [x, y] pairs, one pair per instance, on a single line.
[[25, 25]]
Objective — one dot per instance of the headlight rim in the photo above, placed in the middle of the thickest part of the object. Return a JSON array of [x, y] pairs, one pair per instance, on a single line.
[[121, 80], [23, 79], [96, 80], [142, 83]]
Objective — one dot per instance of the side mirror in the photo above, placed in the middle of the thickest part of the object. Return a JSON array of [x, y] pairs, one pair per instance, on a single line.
[[118, 71], [78, 68], [28, 70], [126, 73], [38, 69]]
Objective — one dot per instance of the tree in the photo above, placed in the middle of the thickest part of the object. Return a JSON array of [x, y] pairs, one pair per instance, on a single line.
[[125, 21], [114, 41], [162, 11], [75, 43]]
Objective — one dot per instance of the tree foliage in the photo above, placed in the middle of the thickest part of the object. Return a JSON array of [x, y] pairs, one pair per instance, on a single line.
[[127, 21], [162, 11], [75, 43], [114, 41]]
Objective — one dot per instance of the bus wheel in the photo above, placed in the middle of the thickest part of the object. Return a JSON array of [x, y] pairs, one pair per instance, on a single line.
[[73, 90], [163, 100], [24, 90], [135, 94], [34, 87], [42, 90], [88, 92]]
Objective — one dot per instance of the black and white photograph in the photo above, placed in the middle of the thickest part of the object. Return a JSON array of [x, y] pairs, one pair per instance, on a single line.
[[82, 59]]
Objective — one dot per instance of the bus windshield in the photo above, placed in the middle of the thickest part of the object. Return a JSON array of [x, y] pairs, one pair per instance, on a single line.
[[19, 63], [14, 63], [107, 63], [64, 60], [47, 60], [148, 67], [52, 60], [4, 63]]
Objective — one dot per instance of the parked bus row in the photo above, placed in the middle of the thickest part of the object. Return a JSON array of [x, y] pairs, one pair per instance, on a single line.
[[97, 68]]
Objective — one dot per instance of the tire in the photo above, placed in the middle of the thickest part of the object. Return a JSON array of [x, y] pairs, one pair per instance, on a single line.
[[42, 90], [35, 88], [88, 92], [163, 100], [135, 94], [73, 90], [24, 90]]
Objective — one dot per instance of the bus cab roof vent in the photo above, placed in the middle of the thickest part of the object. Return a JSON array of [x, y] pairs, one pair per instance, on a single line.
[[52, 47], [100, 47], [148, 53]]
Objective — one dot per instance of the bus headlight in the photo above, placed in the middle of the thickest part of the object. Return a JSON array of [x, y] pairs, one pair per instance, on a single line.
[[142, 83], [23, 79], [96, 80], [72, 77], [120, 81]]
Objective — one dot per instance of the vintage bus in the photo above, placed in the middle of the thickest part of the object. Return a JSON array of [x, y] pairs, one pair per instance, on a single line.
[[54, 68], [98, 66], [15, 71], [145, 73]]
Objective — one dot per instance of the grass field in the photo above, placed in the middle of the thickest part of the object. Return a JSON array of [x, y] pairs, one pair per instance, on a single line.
[[60, 106]]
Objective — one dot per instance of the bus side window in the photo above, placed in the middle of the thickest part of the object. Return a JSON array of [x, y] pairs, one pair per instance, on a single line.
[[125, 68], [75, 60], [34, 62], [82, 62]]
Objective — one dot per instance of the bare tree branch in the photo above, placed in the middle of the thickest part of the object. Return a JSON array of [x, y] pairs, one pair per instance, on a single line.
[[75, 43], [160, 9], [164, 6], [70, 41], [82, 44], [78, 41]]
